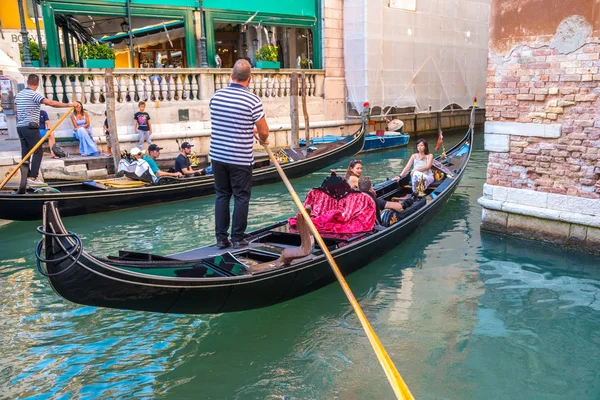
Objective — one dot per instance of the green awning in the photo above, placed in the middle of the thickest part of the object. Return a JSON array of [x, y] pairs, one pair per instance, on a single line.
[[139, 32]]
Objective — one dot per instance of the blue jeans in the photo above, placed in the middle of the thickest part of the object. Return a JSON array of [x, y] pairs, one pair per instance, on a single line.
[[143, 136]]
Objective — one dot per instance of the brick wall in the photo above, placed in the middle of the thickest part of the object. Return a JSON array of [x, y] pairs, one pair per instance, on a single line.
[[544, 86]]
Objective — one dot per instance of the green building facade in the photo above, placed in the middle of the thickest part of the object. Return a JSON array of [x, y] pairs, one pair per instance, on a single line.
[[234, 29]]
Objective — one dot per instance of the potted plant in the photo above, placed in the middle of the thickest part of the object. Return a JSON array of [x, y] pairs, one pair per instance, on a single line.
[[34, 51], [267, 57], [96, 55]]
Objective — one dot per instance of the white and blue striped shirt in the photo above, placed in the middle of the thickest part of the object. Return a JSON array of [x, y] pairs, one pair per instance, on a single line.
[[233, 112], [28, 103]]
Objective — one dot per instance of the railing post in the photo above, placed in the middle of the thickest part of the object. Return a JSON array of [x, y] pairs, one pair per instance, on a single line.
[[207, 86], [294, 110], [110, 115]]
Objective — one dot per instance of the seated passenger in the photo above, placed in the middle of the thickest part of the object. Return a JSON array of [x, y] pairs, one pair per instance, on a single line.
[[421, 162], [365, 186], [353, 173], [183, 163], [82, 131], [153, 153]]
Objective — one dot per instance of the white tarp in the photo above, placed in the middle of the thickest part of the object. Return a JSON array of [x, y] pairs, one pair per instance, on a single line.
[[431, 57]]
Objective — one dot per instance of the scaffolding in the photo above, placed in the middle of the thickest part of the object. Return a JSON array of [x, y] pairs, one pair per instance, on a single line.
[[426, 54]]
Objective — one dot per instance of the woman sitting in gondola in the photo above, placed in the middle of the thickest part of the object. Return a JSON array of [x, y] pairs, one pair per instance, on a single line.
[[82, 131], [421, 162], [353, 173]]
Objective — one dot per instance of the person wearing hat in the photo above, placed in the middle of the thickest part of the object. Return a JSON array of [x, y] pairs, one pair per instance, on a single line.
[[183, 163], [153, 153]]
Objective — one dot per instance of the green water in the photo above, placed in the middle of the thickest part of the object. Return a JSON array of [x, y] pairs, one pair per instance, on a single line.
[[463, 314]]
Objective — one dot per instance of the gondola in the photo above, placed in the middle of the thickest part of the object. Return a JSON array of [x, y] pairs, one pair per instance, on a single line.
[[374, 141], [208, 280], [97, 196]]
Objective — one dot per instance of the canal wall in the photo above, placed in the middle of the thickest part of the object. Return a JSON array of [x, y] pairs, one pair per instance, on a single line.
[[543, 123]]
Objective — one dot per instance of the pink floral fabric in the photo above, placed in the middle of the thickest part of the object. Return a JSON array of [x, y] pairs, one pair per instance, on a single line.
[[354, 213]]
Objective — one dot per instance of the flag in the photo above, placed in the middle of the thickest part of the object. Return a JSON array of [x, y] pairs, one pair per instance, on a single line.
[[440, 140]]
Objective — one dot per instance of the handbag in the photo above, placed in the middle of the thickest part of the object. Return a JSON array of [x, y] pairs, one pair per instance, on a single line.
[[33, 125], [59, 151]]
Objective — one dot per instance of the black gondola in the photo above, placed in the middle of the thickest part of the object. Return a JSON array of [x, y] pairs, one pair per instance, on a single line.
[[208, 280], [93, 197]]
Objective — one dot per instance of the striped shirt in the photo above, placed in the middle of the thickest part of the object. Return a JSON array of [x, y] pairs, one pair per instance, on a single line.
[[233, 112], [28, 103]]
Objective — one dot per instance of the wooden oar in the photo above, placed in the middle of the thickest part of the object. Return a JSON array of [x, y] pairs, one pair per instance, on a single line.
[[393, 376], [42, 140]]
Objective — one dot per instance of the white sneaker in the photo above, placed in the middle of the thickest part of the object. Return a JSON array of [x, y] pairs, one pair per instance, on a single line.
[[34, 182]]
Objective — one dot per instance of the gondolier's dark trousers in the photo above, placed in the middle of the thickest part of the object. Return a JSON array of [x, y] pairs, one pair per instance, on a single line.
[[236, 180], [29, 138]]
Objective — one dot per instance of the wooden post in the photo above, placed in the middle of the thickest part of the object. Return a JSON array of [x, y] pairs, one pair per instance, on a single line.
[[294, 109], [110, 115], [305, 111]]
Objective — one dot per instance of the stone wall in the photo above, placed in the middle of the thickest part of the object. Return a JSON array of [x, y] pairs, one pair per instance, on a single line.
[[543, 128]]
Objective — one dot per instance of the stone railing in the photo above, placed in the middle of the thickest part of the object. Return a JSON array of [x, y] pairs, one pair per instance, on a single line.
[[162, 85]]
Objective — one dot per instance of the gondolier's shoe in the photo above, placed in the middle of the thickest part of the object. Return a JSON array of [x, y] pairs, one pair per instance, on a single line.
[[222, 244], [240, 244]]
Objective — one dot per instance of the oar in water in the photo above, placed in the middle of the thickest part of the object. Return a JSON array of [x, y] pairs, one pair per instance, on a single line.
[[393, 376], [42, 140]]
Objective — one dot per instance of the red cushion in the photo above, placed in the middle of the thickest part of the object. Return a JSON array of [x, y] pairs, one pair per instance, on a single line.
[[354, 213]]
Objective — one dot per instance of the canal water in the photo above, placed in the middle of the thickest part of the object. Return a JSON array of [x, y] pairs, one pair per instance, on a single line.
[[463, 314]]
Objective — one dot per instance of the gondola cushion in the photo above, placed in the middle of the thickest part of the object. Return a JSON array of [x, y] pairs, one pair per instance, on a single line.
[[353, 213]]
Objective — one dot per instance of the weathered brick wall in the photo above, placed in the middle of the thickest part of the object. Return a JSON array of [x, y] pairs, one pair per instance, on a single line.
[[543, 86]]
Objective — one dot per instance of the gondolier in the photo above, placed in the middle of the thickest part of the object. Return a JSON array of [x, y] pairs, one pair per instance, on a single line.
[[27, 104], [231, 151]]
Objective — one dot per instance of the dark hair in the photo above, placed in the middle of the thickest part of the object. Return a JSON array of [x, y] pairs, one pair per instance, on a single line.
[[425, 143], [33, 80], [141, 103], [241, 70], [352, 164], [364, 184]]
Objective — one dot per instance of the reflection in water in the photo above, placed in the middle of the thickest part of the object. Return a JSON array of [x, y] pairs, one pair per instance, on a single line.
[[463, 315]]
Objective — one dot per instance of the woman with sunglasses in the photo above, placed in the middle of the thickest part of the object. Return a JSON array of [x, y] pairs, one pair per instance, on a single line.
[[353, 173], [421, 162]]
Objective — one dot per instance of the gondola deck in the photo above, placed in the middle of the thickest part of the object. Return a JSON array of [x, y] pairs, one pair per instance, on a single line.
[[209, 280]]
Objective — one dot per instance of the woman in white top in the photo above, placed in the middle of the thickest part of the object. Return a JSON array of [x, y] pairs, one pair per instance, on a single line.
[[421, 162]]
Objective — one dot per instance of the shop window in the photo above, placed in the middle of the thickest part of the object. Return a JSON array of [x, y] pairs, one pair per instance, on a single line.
[[235, 41]]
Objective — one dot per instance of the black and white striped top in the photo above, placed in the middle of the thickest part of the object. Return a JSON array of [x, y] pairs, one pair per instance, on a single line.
[[233, 112], [28, 103]]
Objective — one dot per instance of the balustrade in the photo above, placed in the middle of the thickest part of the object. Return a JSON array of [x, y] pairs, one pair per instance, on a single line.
[[162, 85]]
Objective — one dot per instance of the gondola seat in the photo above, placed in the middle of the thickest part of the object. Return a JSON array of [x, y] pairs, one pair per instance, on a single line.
[[390, 217], [339, 209]]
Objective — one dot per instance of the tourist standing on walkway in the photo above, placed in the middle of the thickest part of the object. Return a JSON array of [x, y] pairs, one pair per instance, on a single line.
[[27, 106], [234, 111], [142, 125]]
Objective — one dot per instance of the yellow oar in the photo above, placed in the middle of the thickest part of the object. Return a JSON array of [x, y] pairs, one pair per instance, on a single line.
[[42, 140], [400, 388]]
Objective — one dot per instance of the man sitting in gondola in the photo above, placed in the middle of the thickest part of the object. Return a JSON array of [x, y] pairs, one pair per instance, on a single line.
[[153, 154], [365, 186]]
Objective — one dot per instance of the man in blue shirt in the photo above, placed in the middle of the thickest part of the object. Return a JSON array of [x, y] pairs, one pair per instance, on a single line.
[[44, 128], [153, 154]]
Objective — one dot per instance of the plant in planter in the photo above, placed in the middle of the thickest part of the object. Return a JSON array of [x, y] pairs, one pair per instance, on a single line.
[[34, 50], [267, 57], [304, 63], [96, 55]]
